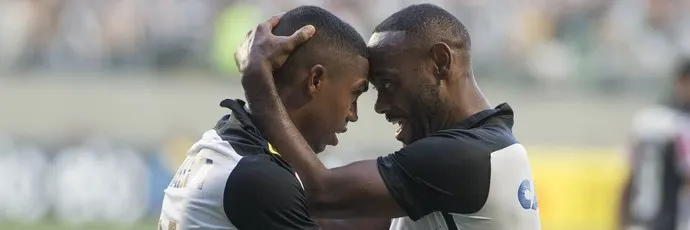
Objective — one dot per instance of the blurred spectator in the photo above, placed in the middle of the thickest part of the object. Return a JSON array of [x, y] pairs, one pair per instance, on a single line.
[[15, 23], [232, 26], [549, 41], [123, 30], [660, 163]]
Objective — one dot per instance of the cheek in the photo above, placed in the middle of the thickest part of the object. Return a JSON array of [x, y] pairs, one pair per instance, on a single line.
[[341, 105], [334, 111], [405, 96]]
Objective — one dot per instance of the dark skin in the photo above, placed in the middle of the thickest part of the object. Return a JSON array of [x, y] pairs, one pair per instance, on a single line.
[[322, 98], [357, 190], [359, 224], [321, 101], [424, 86]]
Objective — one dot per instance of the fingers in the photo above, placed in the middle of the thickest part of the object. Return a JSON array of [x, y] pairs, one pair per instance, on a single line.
[[273, 21], [237, 64], [300, 36], [261, 44], [242, 52], [268, 25]]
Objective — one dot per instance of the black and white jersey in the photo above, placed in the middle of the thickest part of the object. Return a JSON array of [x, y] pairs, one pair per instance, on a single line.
[[233, 179], [473, 176], [660, 163]]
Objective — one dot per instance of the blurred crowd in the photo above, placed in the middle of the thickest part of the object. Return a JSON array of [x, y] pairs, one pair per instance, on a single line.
[[546, 40], [124, 182], [596, 43]]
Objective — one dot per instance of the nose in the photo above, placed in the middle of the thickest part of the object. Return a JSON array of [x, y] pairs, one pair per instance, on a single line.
[[352, 115], [382, 104]]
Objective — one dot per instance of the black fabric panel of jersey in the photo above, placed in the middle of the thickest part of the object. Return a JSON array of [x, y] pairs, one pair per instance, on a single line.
[[238, 129], [450, 223], [261, 195], [450, 170]]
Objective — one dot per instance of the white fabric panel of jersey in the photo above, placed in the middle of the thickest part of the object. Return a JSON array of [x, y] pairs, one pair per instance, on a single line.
[[511, 204], [194, 198]]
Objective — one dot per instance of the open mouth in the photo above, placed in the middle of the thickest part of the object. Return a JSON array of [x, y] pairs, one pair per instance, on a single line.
[[400, 124], [334, 137]]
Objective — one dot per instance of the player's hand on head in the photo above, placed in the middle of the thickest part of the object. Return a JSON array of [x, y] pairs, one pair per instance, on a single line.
[[266, 51]]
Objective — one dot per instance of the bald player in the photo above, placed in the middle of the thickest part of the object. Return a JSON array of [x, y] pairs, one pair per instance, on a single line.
[[460, 167]]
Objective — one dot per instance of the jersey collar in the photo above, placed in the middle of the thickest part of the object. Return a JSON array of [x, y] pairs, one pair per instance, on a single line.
[[502, 111], [242, 117]]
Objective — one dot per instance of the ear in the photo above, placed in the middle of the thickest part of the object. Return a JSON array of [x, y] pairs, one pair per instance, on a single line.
[[314, 81], [442, 57]]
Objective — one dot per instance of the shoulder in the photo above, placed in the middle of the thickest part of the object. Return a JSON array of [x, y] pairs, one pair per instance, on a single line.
[[261, 194], [462, 143], [448, 170], [258, 176]]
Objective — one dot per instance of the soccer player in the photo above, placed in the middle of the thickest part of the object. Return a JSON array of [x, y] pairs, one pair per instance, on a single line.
[[460, 167], [232, 177], [659, 178]]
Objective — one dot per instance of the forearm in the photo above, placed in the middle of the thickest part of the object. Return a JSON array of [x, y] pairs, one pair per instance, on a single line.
[[270, 116], [361, 224]]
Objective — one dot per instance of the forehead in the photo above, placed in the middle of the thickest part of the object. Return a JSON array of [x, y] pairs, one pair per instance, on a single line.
[[390, 52], [356, 69], [393, 44], [386, 39]]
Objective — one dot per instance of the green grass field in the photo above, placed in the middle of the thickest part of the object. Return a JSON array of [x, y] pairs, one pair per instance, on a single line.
[[55, 225]]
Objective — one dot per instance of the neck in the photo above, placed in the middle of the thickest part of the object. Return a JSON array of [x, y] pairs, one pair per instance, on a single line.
[[294, 106], [285, 95], [466, 100]]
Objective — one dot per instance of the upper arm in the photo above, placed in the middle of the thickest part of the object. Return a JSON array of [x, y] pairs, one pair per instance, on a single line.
[[360, 224], [262, 195]]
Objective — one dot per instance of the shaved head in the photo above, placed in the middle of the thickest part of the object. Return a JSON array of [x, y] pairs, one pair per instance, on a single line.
[[423, 25], [334, 42]]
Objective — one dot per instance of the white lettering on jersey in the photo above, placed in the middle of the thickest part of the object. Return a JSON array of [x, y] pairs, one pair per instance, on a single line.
[[194, 198]]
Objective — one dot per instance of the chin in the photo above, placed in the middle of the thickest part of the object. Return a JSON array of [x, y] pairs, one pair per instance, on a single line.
[[318, 149], [404, 142], [410, 140]]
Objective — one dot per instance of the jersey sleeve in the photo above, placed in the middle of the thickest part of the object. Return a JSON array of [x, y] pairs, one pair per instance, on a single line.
[[438, 173], [262, 195]]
